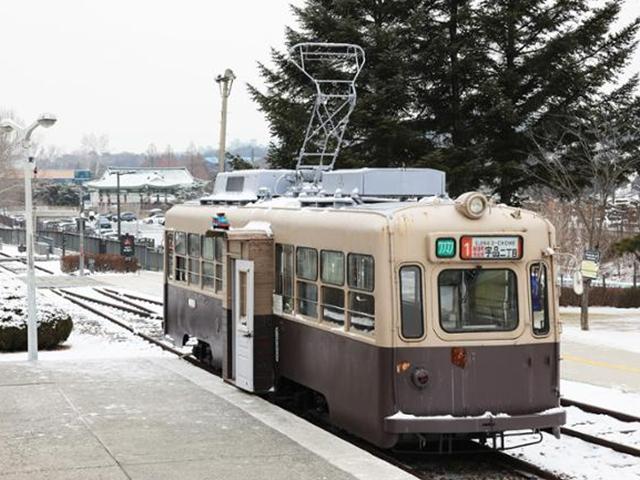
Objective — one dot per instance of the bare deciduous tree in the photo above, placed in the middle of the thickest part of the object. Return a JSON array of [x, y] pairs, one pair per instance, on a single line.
[[95, 146], [11, 185], [584, 161]]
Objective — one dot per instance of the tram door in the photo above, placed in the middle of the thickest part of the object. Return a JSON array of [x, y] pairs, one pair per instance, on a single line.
[[250, 360], [243, 323]]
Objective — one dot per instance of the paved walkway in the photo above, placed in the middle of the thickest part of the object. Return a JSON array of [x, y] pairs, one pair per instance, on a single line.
[[606, 355], [600, 365], [158, 418]]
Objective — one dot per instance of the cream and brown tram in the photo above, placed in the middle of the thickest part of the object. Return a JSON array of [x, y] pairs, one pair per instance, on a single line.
[[408, 313]]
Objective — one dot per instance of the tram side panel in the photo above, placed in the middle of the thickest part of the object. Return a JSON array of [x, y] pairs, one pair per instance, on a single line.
[[352, 375], [193, 314]]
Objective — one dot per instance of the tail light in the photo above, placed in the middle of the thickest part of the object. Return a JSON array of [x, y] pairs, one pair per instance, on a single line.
[[459, 356], [420, 377], [403, 366]]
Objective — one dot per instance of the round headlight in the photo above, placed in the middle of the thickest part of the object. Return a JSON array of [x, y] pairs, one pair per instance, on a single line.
[[472, 204], [420, 377], [476, 205]]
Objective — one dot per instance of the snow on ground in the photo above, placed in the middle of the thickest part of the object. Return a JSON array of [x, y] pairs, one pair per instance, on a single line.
[[576, 459], [604, 426], [617, 328], [609, 398], [92, 337]]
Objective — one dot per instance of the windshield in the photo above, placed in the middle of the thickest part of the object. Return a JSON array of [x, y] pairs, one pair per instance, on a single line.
[[478, 300]]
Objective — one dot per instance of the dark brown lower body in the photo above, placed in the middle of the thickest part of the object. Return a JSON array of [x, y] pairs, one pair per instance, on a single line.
[[500, 387]]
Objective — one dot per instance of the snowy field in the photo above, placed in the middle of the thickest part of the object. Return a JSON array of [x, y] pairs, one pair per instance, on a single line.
[[617, 328], [578, 460], [92, 337], [96, 338]]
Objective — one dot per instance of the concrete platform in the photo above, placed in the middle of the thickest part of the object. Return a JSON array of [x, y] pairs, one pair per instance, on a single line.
[[158, 418]]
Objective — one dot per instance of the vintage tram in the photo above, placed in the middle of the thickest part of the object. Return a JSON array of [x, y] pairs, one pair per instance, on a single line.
[[408, 313]]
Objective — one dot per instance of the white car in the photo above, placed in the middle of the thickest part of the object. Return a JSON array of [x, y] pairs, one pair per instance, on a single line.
[[154, 220]]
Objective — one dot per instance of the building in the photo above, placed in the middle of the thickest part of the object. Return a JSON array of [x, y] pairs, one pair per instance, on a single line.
[[140, 186], [61, 176]]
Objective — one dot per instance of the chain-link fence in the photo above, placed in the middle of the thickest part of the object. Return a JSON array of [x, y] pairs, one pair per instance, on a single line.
[[149, 258]]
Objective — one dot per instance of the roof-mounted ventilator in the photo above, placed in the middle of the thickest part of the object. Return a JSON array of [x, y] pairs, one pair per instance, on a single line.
[[333, 68]]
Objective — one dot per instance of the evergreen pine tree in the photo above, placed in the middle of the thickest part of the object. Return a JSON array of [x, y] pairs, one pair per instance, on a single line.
[[382, 129], [450, 65], [460, 85], [549, 60]]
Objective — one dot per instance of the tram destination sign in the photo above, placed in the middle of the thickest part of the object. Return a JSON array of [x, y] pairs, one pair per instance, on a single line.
[[491, 248]]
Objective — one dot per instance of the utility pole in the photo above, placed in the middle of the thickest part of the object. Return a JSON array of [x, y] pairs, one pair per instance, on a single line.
[[81, 230], [118, 173], [118, 203], [224, 82]]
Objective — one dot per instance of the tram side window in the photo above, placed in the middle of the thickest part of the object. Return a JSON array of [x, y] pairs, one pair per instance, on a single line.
[[284, 275], [332, 273], [212, 263], [362, 311], [208, 267], [360, 271], [478, 300], [307, 269], [194, 259], [181, 259], [169, 253], [333, 305], [360, 276], [332, 267], [540, 299], [411, 309]]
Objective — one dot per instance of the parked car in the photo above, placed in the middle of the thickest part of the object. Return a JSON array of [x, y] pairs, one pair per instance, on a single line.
[[68, 226], [51, 225], [128, 217], [154, 220], [103, 226]]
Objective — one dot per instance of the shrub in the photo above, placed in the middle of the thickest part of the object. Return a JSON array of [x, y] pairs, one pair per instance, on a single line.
[[54, 325], [603, 297], [104, 262]]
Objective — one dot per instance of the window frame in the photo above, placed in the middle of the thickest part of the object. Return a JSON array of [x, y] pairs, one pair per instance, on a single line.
[[373, 272], [169, 254], [479, 331], [323, 304], [350, 311], [297, 274], [546, 310], [175, 244], [279, 287], [299, 300], [344, 270], [421, 279]]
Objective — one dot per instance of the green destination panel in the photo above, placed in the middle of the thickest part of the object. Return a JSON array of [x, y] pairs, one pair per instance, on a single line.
[[445, 248]]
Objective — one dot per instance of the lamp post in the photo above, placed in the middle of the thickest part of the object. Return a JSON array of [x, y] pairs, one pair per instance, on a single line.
[[225, 82], [118, 173], [24, 137], [81, 232]]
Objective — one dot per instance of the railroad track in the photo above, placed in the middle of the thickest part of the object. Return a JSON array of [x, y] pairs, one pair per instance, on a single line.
[[413, 463], [599, 440], [141, 322], [123, 299], [133, 297], [22, 260]]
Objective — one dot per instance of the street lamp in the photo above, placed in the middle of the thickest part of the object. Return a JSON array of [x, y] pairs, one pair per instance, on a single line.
[[24, 138], [225, 82], [118, 173]]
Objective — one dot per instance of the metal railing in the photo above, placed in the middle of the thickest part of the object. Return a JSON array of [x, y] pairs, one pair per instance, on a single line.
[[149, 258]]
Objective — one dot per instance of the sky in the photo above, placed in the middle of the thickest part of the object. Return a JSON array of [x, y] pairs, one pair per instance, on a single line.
[[138, 71], [142, 71]]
